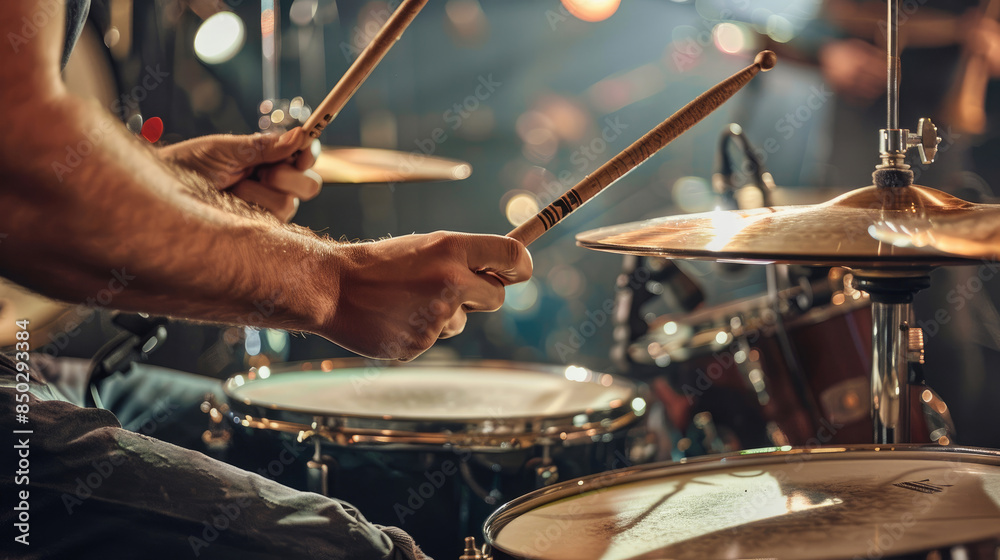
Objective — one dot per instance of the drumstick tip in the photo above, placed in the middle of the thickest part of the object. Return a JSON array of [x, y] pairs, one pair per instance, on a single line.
[[765, 60]]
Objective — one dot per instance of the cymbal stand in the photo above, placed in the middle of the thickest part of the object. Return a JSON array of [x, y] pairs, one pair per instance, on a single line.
[[892, 291]]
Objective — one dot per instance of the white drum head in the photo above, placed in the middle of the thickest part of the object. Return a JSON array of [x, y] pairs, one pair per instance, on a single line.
[[437, 392], [861, 504]]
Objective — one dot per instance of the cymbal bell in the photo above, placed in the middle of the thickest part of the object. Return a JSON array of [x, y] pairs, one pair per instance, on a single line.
[[834, 233], [371, 165]]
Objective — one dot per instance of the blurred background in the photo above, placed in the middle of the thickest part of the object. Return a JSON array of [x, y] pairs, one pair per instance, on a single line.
[[534, 95]]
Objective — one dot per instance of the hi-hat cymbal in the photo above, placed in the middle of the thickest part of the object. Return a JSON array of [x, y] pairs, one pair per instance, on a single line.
[[975, 235], [835, 233], [370, 165]]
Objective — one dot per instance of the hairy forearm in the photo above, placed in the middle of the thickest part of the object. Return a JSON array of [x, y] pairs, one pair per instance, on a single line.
[[71, 223]]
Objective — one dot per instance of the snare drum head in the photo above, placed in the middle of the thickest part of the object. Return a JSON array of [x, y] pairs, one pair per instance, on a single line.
[[437, 392], [842, 504]]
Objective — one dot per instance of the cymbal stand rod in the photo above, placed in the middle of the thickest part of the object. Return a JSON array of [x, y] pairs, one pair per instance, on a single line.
[[892, 57], [892, 298], [890, 370], [893, 142]]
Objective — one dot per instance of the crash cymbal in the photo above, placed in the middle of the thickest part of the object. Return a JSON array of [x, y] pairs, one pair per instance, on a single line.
[[835, 233], [370, 165]]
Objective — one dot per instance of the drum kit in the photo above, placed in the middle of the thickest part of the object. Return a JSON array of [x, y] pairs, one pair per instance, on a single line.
[[847, 465], [827, 443]]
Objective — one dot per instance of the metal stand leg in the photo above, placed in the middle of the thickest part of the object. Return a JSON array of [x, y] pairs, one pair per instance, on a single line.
[[319, 471]]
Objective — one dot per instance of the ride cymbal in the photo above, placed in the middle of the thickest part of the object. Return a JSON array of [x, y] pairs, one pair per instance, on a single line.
[[370, 165], [835, 233]]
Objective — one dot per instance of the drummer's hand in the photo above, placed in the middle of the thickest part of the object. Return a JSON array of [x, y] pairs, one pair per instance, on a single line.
[[399, 296], [263, 169], [982, 37], [854, 69]]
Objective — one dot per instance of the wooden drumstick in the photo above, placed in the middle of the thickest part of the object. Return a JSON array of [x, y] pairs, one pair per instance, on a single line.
[[361, 68], [640, 150]]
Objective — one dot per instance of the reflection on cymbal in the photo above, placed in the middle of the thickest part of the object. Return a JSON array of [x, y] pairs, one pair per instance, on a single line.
[[835, 233], [972, 235], [370, 165]]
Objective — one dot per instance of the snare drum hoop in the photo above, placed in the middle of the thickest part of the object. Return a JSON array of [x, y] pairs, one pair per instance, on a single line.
[[533, 500], [476, 433]]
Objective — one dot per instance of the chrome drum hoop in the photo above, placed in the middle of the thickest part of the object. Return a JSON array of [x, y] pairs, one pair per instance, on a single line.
[[749, 458], [478, 433]]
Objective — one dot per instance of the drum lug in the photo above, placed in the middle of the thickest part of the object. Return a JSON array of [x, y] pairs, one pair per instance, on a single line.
[[472, 553], [318, 475]]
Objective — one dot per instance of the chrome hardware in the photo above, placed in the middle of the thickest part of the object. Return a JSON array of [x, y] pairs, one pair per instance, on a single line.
[[925, 140], [894, 143], [915, 349], [471, 552]]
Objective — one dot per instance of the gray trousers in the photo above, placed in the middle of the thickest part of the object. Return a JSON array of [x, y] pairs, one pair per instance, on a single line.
[[79, 486]]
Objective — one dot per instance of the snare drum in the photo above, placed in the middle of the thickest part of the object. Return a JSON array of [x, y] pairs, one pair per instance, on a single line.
[[434, 448], [867, 502]]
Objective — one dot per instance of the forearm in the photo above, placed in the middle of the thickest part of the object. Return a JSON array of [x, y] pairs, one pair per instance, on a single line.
[[119, 207]]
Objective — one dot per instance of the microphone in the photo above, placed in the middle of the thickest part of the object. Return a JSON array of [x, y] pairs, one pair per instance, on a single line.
[[724, 177]]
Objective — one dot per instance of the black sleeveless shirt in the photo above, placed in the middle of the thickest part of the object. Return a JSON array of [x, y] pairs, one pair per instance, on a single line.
[[76, 16]]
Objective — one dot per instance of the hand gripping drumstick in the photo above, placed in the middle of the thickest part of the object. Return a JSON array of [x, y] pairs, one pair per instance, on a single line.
[[361, 68], [640, 150]]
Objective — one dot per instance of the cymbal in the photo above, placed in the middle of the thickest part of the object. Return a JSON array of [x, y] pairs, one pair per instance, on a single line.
[[371, 165], [834, 233], [975, 236]]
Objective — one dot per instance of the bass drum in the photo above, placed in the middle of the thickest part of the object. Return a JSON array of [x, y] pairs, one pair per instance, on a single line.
[[433, 448], [787, 369], [910, 502]]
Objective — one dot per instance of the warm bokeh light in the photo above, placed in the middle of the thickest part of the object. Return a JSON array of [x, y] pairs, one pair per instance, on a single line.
[[729, 38], [522, 297], [219, 38], [592, 10], [780, 29], [520, 208]]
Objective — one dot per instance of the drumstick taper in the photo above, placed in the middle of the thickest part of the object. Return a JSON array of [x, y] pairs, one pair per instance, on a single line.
[[361, 68], [640, 150]]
